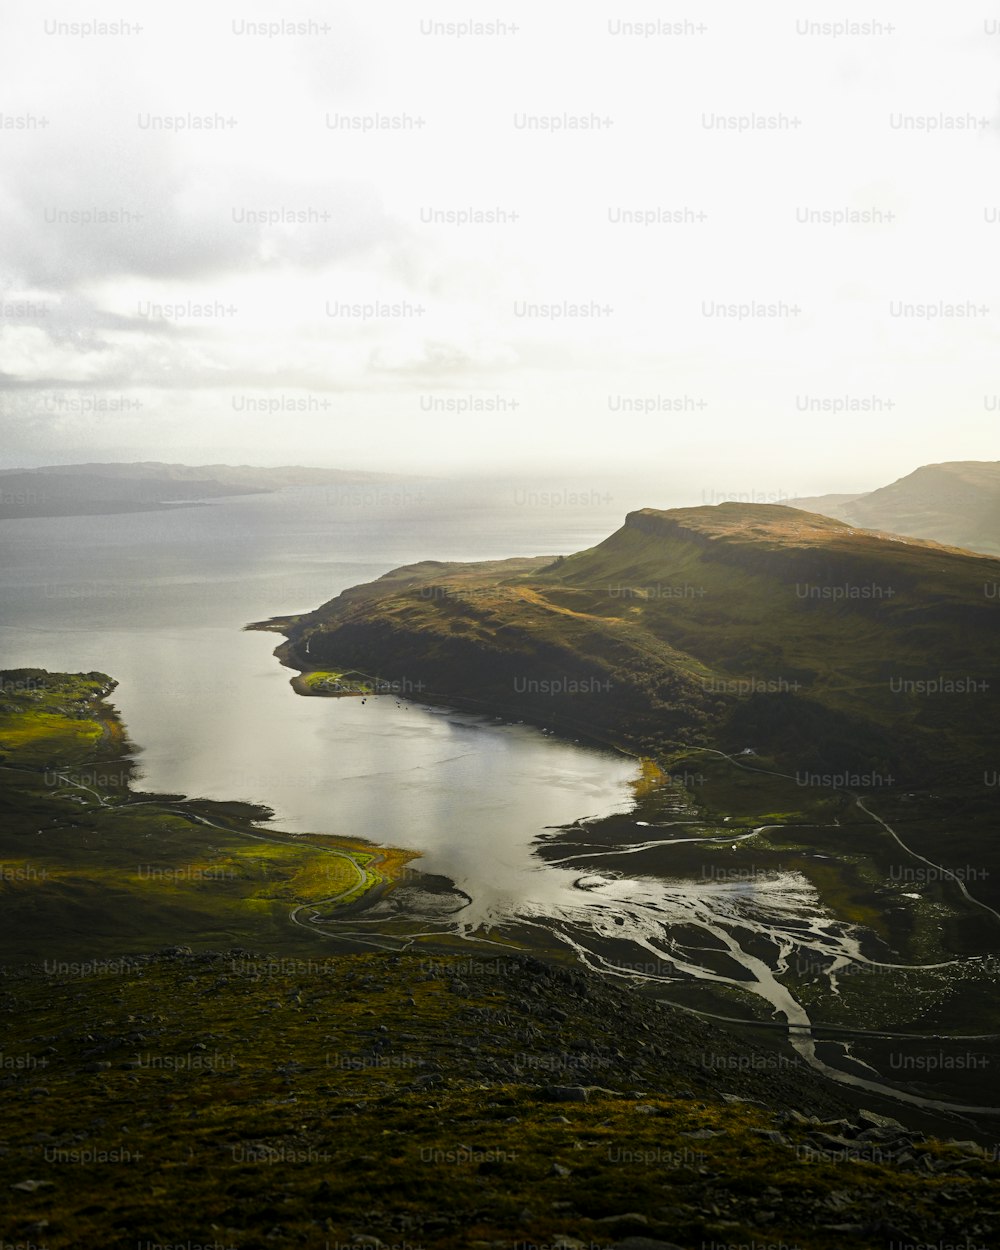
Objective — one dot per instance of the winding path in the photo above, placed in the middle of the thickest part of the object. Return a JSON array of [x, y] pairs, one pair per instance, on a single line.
[[115, 808]]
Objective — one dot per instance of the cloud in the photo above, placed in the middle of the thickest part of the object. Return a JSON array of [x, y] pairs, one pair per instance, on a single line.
[[446, 191], [434, 360]]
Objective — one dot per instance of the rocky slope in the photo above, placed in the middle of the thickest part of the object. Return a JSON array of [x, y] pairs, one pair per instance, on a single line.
[[240, 1099]]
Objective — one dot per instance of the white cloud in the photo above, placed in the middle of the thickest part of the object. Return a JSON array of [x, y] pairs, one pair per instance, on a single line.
[[390, 218]]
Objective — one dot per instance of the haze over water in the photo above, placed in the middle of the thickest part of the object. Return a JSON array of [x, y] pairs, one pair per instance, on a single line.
[[159, 599]]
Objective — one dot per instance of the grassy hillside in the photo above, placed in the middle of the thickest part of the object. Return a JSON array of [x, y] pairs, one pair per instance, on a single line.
[[956, 503], [162, 1082], [235, 1099], [831, 650], [88, 863]]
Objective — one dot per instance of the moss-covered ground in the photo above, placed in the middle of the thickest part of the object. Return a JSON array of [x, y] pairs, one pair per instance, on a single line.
[[87, 861], [256, 1101], [207, 1095]]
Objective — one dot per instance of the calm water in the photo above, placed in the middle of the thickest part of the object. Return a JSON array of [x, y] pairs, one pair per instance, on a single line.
[[158, 600]]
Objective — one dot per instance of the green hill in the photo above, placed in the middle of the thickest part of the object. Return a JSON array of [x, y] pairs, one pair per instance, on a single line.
[[957, 502], [830, 649]]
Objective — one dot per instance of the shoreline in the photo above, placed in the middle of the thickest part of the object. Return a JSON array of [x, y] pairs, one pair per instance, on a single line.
[[69, 767]]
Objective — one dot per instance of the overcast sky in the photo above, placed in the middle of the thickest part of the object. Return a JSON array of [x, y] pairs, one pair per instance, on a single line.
[[689, 152]]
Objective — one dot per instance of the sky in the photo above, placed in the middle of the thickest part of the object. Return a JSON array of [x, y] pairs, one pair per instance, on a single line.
[[747, 247]]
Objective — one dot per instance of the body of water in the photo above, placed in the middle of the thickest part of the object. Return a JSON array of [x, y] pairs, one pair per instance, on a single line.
[[158, 600]]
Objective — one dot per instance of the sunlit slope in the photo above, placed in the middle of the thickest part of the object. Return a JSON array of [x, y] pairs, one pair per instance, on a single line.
[[739, 624], [957, 502], [87, 862]]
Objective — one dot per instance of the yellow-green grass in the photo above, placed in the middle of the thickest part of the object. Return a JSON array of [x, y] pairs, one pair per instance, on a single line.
[[87, 863], [275, 1104], [47, 716], [323, 681]]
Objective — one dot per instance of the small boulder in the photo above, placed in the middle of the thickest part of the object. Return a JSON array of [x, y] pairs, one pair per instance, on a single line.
[[566, 1093]]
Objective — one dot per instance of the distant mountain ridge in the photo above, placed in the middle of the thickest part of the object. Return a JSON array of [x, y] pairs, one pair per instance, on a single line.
[[258, 476], [956, 502], [147, 486]]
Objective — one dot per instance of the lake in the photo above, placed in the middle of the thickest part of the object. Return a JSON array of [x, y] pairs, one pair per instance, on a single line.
[[521, 835], [159, 599]]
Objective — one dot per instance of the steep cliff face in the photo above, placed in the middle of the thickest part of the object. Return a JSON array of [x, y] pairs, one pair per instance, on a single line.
[[836, 645]]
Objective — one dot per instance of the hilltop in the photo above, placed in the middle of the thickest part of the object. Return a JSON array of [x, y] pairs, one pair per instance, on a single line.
[[738, 626], [957, 502]]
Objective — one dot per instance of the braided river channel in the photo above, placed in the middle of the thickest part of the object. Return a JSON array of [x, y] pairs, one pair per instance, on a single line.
[[820, 930]]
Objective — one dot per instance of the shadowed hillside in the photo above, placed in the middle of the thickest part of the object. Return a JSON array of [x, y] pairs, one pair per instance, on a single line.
[[830, 649]]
